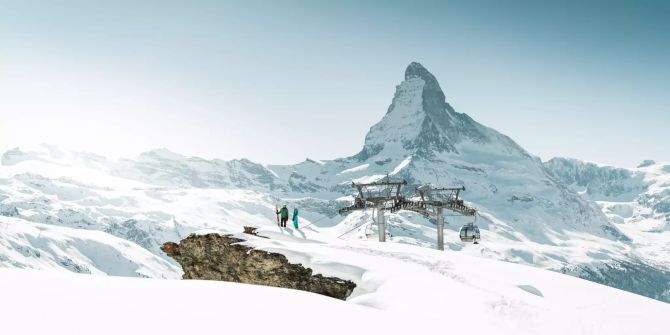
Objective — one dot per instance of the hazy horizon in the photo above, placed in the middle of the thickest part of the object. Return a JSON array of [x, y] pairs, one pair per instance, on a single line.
[[276, 83]]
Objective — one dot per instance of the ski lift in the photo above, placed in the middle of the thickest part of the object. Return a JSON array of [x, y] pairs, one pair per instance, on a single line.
[[470, 233]]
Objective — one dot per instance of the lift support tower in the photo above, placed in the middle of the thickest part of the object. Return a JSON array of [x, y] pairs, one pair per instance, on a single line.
[[383, 195], [437, 199]]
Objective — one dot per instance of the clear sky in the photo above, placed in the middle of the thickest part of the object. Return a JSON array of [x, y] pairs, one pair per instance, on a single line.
[[279, 81]]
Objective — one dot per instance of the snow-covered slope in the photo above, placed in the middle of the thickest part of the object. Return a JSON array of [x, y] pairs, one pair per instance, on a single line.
[[401, 289], [28, 245], [530, 212], [630, 195], [50, 303], [636, 200]]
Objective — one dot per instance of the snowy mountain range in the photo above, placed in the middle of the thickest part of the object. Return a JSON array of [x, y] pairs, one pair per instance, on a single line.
[[81, 212]]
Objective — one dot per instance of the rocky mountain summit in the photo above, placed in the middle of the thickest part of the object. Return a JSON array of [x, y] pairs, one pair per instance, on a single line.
[[420, 120]]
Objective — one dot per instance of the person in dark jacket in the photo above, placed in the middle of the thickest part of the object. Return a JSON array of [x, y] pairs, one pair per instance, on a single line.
[[283, 213]]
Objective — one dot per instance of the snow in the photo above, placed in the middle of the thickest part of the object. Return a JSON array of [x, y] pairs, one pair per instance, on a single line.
[[403, 123], [51, 303], [501, 297], [356, 169], [636, 200], [317, 161], [406, 288], [30, 245], [346, 199], [368, 179], [161, 154], [401, 166], [270, 170]]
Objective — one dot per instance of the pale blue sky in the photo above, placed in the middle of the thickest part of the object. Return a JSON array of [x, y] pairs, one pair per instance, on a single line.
[[278, 81]]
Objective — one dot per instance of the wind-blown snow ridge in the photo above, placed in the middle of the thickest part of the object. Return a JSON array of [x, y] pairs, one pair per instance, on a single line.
[[356, 169], [401, 166]]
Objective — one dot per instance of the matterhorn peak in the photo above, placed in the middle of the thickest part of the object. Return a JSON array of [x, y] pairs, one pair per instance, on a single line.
[[415, 69], [420, 121]]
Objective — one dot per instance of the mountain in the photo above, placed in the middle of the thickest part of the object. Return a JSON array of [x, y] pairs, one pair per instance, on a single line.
[[530, 212], [636, 200], [420, 121], [422, 139]]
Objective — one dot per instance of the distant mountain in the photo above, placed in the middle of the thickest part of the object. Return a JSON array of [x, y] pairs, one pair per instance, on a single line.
[[639, 196]]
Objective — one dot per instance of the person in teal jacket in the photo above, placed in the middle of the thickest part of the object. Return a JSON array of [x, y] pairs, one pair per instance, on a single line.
[[283, 212], [295, 218]]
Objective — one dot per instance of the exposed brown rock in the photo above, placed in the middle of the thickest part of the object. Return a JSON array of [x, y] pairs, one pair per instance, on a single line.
[[171, 248], [252, 231], [222, 257]]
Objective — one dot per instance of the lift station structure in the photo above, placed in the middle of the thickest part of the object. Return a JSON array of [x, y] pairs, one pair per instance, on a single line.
[[383, 195], [386, 194]]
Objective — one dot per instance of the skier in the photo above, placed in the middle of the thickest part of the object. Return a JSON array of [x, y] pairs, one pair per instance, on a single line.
[[283, 212], [295, 218]]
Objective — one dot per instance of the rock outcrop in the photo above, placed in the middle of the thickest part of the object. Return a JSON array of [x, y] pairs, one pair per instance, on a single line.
[[223, 257]]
